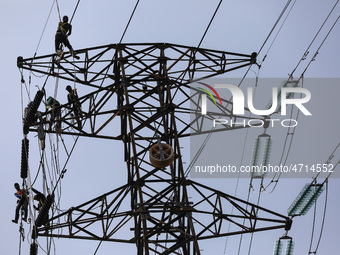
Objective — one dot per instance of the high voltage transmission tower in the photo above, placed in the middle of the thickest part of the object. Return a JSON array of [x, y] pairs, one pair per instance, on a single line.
[[140, 94]]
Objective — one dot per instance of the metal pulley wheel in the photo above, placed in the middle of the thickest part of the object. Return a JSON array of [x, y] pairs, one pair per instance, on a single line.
[[161, 155]]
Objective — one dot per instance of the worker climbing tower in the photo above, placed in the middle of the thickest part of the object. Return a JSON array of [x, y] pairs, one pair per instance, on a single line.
[[139, 94]]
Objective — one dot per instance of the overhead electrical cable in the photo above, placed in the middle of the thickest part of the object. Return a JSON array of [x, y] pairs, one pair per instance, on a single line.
[[75, 9], [127, 25], [27, 91], [200, 150], [211, 20], [269, 35], [238, 179], [209, 135], [244, 220], [121, 39], [48, 17], [301, 77], [313, 224], [328, 161], [317, 51], [40, 166], [287, 144], [237, 185], [278, 32], [323, 219], [316, 35], [252, 234], [205, 32], [273, 28], [66, 162]]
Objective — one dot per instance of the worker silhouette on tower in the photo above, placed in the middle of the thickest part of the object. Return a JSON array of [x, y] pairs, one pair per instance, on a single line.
[[40, 197], [53, 106], [22, 202], [64, 30], [72, 98]]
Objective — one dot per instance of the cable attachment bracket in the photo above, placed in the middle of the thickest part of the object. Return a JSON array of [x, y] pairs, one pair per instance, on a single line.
[[63, 173]]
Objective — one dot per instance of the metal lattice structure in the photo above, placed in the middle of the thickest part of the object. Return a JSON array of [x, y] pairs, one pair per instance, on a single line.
[[140, 94]]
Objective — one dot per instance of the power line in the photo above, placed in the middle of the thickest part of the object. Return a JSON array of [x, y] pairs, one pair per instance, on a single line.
[[323, 219], [127, 25], [316, 35], [317, 51], [211, 20], [273, 28], [75, 9], [301, 77], [278, 32], [48, 17]]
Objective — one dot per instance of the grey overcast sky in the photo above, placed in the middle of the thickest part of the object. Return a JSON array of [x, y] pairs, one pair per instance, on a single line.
[[239, 26]]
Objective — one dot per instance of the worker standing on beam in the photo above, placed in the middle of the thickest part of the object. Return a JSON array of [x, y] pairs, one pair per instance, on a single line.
[[64, 30]]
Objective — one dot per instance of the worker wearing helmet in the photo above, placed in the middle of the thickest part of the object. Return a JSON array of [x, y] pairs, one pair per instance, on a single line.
[[72, 95], [64, 30], [40, 197], [53, 106]]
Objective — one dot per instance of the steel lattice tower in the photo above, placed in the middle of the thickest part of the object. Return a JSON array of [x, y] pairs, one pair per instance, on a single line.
[[140, 94]]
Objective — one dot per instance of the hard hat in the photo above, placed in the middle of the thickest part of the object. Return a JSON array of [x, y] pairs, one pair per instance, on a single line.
[[65, 19], [68, 88], [50, 100]]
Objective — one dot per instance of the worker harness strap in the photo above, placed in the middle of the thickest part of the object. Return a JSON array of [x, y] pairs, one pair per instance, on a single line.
[[61, 28]]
